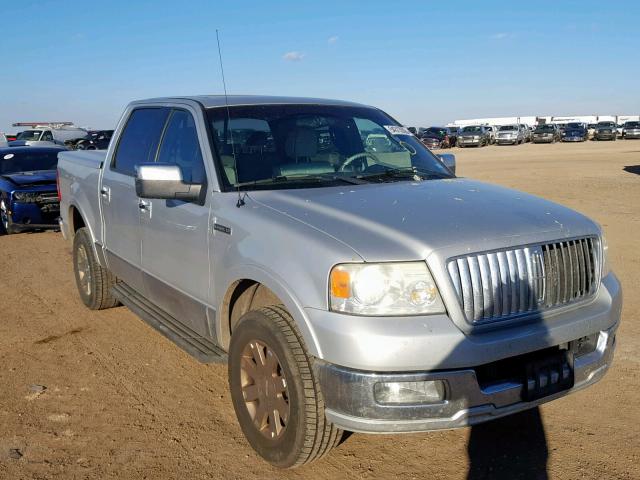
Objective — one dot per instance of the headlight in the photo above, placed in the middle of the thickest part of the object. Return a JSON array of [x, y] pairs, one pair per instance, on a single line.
[[25, 196], [476, 137], [384, 289]]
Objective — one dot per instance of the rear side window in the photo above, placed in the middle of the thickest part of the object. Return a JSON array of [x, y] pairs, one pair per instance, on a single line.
[[139, 140], [180, 146]]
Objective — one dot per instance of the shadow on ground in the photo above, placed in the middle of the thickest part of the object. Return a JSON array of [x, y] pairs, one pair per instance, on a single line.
[[632, 169], [513, 447]]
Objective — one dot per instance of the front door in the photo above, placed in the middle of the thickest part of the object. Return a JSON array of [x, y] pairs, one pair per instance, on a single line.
[[175, 234], [120, 204]]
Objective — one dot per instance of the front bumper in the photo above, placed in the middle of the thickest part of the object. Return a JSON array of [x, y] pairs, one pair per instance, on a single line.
[[605, 136], [542, 139], [351, 405], [573, 139], [468, 141], [632, 135]]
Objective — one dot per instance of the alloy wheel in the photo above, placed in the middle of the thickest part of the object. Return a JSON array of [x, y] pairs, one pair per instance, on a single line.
[[84, 270], [264, 388]]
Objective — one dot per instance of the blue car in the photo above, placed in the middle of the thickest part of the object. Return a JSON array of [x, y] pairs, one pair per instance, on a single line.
[[28, 192]]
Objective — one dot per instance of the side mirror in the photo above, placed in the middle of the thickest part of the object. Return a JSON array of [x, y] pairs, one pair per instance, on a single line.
[[449, 160], [164, 181]]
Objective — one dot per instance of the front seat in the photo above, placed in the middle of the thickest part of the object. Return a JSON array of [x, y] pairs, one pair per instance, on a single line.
[[301, 146]]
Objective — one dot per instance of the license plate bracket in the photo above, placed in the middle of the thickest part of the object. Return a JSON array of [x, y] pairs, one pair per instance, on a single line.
[[546, 376]]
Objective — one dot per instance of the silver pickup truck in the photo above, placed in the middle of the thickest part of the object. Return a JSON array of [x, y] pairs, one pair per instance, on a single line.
[[351, 281]]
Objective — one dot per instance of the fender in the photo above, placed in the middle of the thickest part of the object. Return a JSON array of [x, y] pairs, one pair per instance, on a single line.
[[279, 287]]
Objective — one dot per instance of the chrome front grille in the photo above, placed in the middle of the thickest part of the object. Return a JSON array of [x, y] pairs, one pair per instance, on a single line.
[[499, 285]]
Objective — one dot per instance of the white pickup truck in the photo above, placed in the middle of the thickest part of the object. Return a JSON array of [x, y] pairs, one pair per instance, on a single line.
[[349, 278]]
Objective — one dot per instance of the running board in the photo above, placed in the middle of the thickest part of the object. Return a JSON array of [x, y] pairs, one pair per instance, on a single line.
[[199, 347]]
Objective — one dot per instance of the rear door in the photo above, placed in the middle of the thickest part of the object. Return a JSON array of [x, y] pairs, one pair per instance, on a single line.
[[175, 234], [138, 143]]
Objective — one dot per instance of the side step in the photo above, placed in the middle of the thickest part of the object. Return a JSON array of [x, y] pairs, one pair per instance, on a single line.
[[195, 345]]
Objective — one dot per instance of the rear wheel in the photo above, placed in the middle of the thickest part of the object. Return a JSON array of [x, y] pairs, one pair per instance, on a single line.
[[94, 282], [275, 393]]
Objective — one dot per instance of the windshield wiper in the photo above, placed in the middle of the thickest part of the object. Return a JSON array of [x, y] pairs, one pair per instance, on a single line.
[[406, 172], [281, 179]]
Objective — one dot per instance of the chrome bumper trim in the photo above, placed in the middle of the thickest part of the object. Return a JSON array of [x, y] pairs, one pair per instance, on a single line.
[[351, 405]]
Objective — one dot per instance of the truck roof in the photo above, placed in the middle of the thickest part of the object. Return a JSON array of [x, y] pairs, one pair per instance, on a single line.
[[213, 101]]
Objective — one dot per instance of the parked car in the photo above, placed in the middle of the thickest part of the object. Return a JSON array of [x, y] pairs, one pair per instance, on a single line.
[[452, 132], [428, 302], [435, 137], [619, 129], [493, 132], [473, 135], [49, 135], [606, 131], [510, 135], [546, 133], [96, 140], [591, 129], [28, 194], [631, 130], [575, 132], [526, 132]]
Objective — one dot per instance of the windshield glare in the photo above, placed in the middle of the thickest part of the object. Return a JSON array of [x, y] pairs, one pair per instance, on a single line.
[[275, 145], [31, 135], [14, 162]]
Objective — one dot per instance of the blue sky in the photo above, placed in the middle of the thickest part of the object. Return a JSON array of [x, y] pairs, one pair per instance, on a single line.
[[424, 62]]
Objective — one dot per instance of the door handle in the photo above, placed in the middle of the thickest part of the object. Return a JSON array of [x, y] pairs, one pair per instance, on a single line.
[[144, 205], [105, 192]]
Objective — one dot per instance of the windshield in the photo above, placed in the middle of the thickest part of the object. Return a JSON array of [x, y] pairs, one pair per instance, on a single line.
[[632, 125], [607, 124], [289, 146], [507, 128], [32, 135], [472, 128], [544, 128], [574, 125], [30, 161]]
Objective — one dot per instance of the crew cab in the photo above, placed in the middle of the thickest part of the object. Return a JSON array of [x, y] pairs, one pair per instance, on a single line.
[[349, 279], [28, 193]]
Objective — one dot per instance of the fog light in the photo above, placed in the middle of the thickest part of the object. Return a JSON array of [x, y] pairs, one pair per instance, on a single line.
[[431, 391]]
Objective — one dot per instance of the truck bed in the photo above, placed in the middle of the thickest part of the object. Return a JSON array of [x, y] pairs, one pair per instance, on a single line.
[[79, 178]]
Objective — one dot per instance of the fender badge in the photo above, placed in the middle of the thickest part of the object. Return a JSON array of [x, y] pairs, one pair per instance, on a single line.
[[222, 228]]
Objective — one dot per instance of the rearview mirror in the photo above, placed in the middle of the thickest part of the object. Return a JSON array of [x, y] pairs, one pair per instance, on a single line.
[[449, 160], [164, 181]]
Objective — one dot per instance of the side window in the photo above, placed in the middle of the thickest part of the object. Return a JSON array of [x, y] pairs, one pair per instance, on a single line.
[[139, 140], [47, 136], [180, 146]]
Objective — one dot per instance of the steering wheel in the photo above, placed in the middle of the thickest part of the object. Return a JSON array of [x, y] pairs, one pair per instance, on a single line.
[[353, 158]]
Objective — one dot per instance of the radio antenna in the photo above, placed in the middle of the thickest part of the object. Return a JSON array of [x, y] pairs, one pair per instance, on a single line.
[[240, 202]]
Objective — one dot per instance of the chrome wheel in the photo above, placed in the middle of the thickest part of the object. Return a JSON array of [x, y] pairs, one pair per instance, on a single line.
[[84, 270], [4, 217], [264, 388]]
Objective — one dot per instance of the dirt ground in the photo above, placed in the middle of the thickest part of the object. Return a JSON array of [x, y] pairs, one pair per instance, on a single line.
[[122, 402]]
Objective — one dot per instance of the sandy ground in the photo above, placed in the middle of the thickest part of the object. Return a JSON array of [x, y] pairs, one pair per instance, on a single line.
[[123, 402]]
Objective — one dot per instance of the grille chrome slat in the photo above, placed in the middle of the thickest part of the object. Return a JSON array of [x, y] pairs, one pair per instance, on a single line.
[[499, 285]]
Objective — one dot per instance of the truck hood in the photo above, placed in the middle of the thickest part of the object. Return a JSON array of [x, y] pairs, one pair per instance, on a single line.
[[409, 220], [39, 177]]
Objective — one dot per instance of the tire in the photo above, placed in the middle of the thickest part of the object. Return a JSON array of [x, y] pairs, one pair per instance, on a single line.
[[305, 435], [94, 282], [6, 225]]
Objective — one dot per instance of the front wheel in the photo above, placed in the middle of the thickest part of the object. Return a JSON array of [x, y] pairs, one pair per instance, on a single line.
[[6, 226], [275, 393], [94, 281]]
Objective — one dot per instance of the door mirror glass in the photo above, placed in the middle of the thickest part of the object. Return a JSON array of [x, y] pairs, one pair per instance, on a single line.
[[449, 160], [164, 181]]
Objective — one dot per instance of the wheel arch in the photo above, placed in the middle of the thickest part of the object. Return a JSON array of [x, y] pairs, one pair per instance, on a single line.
[[257, 289]]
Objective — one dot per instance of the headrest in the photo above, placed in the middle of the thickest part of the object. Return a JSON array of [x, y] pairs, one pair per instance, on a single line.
[[301, 142]]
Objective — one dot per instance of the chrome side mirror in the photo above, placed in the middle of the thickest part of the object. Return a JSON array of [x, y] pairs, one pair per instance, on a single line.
[[449, 160], [164, 181]]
